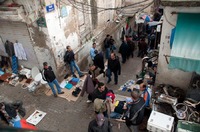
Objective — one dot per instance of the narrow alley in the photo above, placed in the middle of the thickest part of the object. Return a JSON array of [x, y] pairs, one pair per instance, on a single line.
[[65, 116]]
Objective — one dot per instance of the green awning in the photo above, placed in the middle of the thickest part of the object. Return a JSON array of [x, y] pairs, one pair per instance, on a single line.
[[185, 53]]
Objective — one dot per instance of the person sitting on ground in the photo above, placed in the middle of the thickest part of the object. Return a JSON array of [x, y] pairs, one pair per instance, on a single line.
[[100, 92], [100, 124], [9, 112]]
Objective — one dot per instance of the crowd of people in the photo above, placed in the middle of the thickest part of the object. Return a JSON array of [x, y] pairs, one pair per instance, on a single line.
[[101, 96], [97, 91]]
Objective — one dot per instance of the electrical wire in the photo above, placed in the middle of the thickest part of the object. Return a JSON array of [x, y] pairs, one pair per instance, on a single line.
[[86, 8], [146, 6], [167, 19], [81, 3], [79, 9]]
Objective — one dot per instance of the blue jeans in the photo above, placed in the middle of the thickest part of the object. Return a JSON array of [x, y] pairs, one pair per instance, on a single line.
[[72, 65], [115, 76], [51, 84], [107, 53], [115, 115], [13, 120]]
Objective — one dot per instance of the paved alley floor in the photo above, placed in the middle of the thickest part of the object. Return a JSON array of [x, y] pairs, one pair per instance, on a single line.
[[65, 116]]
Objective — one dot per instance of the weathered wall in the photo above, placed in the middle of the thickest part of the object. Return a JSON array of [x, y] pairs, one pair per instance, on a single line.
[[173, 77], [36, 48], [77, 29], [147, 10]]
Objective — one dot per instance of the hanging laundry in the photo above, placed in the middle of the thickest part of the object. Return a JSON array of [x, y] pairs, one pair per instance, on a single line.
[[19, 51], [9, 48], [14, 64]]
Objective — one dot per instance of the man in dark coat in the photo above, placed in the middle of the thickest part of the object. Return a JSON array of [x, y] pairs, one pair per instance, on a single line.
[[123, 50], [100, 124], [99, 61], [107, 46], [69, 58], [131, 47], [136, 111], [142, 45], [113, 67], [49, 76], [100, 92]]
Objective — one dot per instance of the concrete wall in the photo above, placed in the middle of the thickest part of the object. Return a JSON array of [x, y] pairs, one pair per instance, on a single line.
[[147, 10], [37, 50], [174, 77], [76, 29]]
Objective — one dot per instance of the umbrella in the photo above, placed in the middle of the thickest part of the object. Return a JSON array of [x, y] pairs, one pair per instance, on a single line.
[[146, 18]]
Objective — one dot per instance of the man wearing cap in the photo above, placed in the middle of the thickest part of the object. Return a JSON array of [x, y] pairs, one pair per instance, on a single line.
[[99, 124], [49, 76]]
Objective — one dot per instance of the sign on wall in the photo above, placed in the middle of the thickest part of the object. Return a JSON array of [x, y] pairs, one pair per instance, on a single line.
[[41, 22], [64, 11], [50, 8]]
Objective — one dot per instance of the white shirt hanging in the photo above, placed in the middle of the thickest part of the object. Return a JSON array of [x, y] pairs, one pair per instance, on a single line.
[[19, 51]]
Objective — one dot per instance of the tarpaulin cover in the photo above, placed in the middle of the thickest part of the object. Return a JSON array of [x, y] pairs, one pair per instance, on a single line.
[[185, 53]]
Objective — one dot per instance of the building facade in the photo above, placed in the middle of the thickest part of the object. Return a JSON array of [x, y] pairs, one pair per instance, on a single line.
[[46, 27], [176, 76]]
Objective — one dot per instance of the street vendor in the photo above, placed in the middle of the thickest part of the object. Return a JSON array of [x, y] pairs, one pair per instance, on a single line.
[[145, 93]]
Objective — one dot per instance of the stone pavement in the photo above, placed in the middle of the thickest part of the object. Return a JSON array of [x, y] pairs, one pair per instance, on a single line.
[[64, 116]]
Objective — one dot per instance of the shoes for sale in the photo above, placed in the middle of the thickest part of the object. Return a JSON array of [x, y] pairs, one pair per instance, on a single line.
[[76, 92], [66, 76]]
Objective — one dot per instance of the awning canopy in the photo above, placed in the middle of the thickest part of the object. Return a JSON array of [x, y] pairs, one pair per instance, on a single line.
[[185, 53]]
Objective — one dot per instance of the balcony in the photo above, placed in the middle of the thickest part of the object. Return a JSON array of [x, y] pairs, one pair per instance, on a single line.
[[12, 13], [184, 3]]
